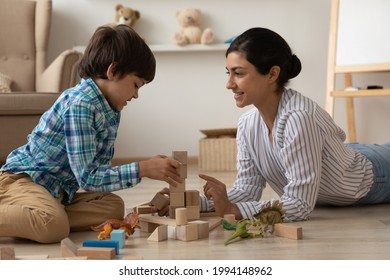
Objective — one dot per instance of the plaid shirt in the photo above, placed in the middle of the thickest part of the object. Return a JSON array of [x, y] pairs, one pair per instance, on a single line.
[[73, 144]]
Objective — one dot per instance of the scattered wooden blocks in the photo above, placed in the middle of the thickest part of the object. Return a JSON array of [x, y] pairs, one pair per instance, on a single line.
[[184, 212], [288, 231], [68, 248], [7, 253], [96, 253]]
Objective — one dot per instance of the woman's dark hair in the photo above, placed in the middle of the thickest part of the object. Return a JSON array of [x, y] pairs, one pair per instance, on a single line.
[[123, 47], [264, 49]]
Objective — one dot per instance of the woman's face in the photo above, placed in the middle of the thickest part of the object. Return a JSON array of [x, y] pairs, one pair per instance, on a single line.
[[248, 85]]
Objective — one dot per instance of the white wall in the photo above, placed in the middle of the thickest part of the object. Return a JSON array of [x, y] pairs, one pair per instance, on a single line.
[[189, 91]]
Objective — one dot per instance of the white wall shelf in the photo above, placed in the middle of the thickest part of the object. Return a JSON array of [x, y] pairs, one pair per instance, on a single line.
[[160, 48], [188, 48]]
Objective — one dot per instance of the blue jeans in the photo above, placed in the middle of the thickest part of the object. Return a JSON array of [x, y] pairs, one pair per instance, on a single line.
[[379, 155]]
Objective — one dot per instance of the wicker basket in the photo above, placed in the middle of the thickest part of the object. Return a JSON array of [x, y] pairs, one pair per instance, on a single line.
[[218, 152]]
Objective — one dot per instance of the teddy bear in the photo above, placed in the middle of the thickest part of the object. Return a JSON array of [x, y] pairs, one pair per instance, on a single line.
[[126, 15], [191, 32]]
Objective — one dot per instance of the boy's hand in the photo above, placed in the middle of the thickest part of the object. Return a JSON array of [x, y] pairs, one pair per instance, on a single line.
[[161, 168]]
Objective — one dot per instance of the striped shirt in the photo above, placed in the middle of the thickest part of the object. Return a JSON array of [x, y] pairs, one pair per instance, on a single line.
[[306, 163], [73, 144]]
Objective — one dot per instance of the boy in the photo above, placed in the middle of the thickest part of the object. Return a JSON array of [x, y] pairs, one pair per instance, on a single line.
[[73, 143]]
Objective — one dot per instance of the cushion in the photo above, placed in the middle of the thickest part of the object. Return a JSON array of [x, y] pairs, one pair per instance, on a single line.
[[5, 83], [17, 47]]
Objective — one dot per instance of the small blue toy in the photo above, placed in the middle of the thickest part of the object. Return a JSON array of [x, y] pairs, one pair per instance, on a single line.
[[120, 236]]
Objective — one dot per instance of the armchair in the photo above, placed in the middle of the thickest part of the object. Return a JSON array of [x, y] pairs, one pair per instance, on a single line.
[[28, 85]]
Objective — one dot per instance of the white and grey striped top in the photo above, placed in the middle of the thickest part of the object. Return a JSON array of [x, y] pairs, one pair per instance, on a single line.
[[306, 162]]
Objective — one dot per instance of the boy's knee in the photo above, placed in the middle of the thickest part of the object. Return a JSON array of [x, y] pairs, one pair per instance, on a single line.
[[53, 228], [118, 205]]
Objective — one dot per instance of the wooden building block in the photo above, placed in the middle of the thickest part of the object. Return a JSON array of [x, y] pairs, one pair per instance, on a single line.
[[68, 248], [120, 236], [102, 244], [192, 198], [193, 212], [144, 209], [230, 218], [172, 232], [160, 201], [288, 231], [147, 227], [172, 211], [157, 220], [180, 156], [214, 222], [96, 253], [177, 199], [179, 188], [203, 228], [183, 171], [181, 216], [7, 253], [187, 232], [160, 234]]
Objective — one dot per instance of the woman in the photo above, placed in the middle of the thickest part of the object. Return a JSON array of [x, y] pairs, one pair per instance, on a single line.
[[289, 142]]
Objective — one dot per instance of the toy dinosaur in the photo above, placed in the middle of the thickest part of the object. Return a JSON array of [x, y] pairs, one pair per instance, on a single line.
[[269, 215], [128, 224]]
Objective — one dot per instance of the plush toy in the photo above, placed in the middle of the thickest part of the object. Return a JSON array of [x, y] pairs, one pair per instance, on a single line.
[[126, 15], [191, 32]]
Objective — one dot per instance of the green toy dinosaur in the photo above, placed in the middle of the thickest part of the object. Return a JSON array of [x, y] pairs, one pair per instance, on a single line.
[[269, 214]]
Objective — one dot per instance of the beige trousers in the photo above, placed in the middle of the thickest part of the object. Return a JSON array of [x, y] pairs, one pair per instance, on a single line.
[[28, 210]]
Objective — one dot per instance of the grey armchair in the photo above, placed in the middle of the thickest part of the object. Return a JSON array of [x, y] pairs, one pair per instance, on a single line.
[[28, 86]]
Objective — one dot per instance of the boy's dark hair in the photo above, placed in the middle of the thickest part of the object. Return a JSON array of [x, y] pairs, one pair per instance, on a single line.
[[123, 47], [264, 49]]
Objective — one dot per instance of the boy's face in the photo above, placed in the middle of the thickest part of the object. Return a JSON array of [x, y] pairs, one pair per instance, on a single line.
[[119, 91]]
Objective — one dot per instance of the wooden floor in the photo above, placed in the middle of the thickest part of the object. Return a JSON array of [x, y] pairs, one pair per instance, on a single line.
[[348, 233]]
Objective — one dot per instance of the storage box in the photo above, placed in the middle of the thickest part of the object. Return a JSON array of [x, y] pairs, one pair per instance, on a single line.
[[218, 150]]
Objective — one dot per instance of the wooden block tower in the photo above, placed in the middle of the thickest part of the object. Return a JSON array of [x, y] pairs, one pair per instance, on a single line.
[[184, 211], [179, 197]]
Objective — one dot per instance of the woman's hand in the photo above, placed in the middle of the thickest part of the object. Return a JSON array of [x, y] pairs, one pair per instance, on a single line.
[[161, 168], [216, 190]]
